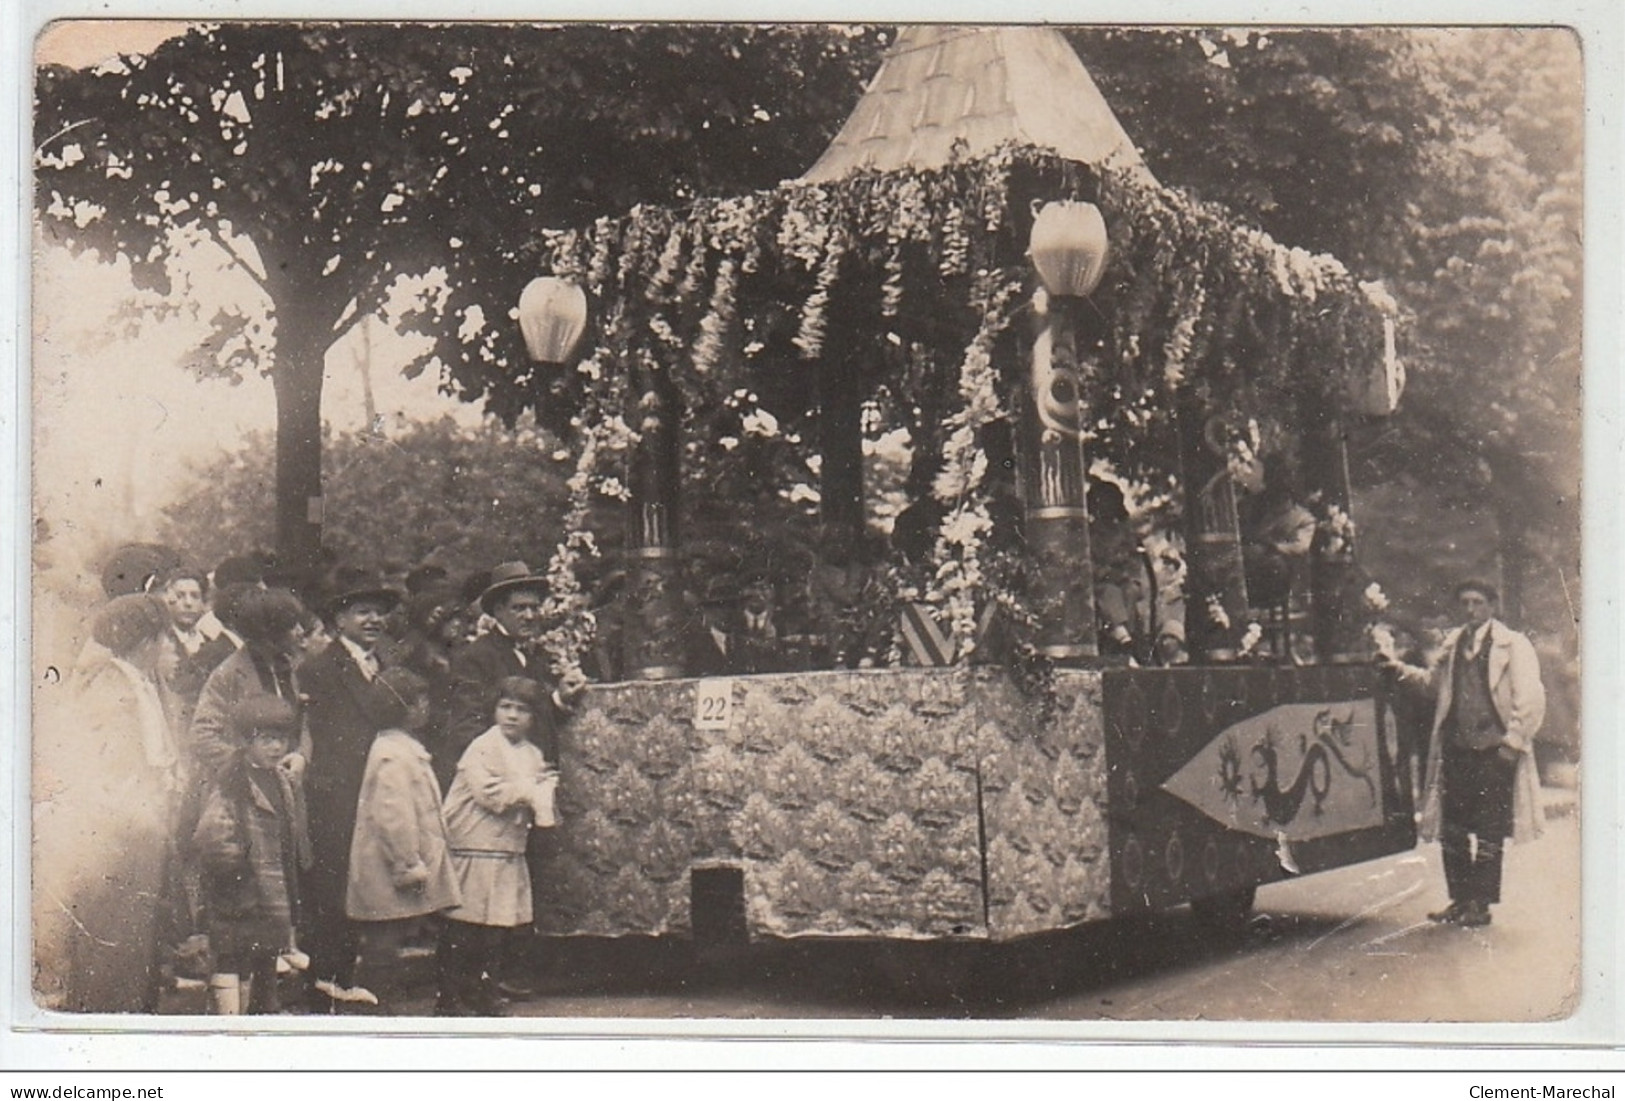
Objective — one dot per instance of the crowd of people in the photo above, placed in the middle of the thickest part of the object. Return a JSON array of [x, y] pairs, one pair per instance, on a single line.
[[276, 792], [272, 787]]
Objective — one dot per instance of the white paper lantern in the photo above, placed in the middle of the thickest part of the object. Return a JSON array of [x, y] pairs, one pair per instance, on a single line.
[[552, 315], [1068, 247], [1376, 392]]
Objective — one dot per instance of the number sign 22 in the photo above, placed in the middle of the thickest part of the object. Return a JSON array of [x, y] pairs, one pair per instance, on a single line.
[[713, 704]]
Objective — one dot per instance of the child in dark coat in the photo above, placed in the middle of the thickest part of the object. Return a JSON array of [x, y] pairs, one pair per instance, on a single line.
[[252, 845]]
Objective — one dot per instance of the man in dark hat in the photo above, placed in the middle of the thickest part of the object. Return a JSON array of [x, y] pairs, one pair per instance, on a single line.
[[733, 634], [711, 642], [346, 706], [435, 631], [513, 600], [426, 575], [228, 581], [1489, 702]]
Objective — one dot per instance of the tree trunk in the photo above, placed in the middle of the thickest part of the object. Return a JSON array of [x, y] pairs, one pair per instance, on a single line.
[[297, 382]]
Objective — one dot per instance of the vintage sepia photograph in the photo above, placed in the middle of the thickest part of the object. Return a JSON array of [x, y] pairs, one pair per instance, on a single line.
[[679, 522]]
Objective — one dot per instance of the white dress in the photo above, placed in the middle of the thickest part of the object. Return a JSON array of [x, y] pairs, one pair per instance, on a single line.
[[489, 810]]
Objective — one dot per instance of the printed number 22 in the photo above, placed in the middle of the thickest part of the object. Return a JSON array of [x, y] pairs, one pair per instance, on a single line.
[[712, 704]]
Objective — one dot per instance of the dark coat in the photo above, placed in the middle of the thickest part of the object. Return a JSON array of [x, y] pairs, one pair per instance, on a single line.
[[242, 674], [343, 712], [432, 662], [702, 657], [251, 844], [190, 673], [476, 670]]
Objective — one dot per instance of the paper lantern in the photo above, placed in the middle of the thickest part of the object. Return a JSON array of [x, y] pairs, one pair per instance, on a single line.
[[552, 315], [1376, 391], [1068, 247]]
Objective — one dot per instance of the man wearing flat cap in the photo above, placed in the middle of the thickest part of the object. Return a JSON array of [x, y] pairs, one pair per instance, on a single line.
[[346, 706], [1489, 702]]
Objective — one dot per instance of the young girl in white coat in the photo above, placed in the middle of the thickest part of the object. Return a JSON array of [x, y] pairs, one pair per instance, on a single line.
[[503, 789]]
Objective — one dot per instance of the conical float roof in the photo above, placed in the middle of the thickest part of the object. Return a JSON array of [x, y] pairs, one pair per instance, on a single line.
[[947, 91]]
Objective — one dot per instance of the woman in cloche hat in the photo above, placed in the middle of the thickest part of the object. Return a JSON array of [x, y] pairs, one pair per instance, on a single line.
[[105, 786]]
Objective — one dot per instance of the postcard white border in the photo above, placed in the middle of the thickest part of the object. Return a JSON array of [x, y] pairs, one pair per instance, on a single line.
[[626, 1044]]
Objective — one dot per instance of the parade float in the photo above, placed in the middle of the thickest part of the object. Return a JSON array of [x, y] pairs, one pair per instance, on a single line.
[[982, 267]]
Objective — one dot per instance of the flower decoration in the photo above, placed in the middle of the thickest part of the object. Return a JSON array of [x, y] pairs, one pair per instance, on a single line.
[[1250, 638], [1375, 599], [1335, 533], [774, 272]]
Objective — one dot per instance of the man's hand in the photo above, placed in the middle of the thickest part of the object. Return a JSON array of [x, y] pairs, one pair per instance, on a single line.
[[294, 765], [571, 685], [1507, 753]]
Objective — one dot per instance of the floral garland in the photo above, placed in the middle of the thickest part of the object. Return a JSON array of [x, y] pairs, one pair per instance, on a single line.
[[958, 575], [601, 436], [1186, 291]]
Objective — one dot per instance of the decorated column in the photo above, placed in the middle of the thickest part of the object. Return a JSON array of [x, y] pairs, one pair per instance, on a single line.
[[1335, 614], [652, 641], [1056, 487], [1216, 580], [1068, 246], [840, 444]]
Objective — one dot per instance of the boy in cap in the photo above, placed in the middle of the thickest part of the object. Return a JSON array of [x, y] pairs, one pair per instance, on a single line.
[[252, 847]]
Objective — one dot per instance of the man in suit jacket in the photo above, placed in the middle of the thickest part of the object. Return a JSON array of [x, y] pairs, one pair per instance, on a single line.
[[346, 707], [513, 600], [1489, 702], [190, 655]]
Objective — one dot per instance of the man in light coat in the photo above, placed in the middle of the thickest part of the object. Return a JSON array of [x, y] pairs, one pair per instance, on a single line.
[[1481, 769]]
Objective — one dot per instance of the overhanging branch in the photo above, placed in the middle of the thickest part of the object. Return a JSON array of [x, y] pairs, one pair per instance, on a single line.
[[238, 258], [68, 129]]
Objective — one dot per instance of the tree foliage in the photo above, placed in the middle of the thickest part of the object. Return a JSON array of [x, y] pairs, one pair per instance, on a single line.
[[468, 497], [337, 160], [334, 161], [1447, 164]]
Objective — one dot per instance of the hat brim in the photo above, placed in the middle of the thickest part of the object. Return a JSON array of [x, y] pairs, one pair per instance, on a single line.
[[388, 597], [530, 581]]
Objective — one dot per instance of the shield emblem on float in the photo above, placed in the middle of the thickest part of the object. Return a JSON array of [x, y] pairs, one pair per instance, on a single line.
[[1298, 771]]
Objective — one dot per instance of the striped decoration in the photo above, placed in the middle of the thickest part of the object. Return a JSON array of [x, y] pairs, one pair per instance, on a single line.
[[928, 644]]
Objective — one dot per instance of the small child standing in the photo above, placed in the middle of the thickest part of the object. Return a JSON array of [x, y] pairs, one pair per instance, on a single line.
[[502, 789], [251, 844], [400, 866]]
